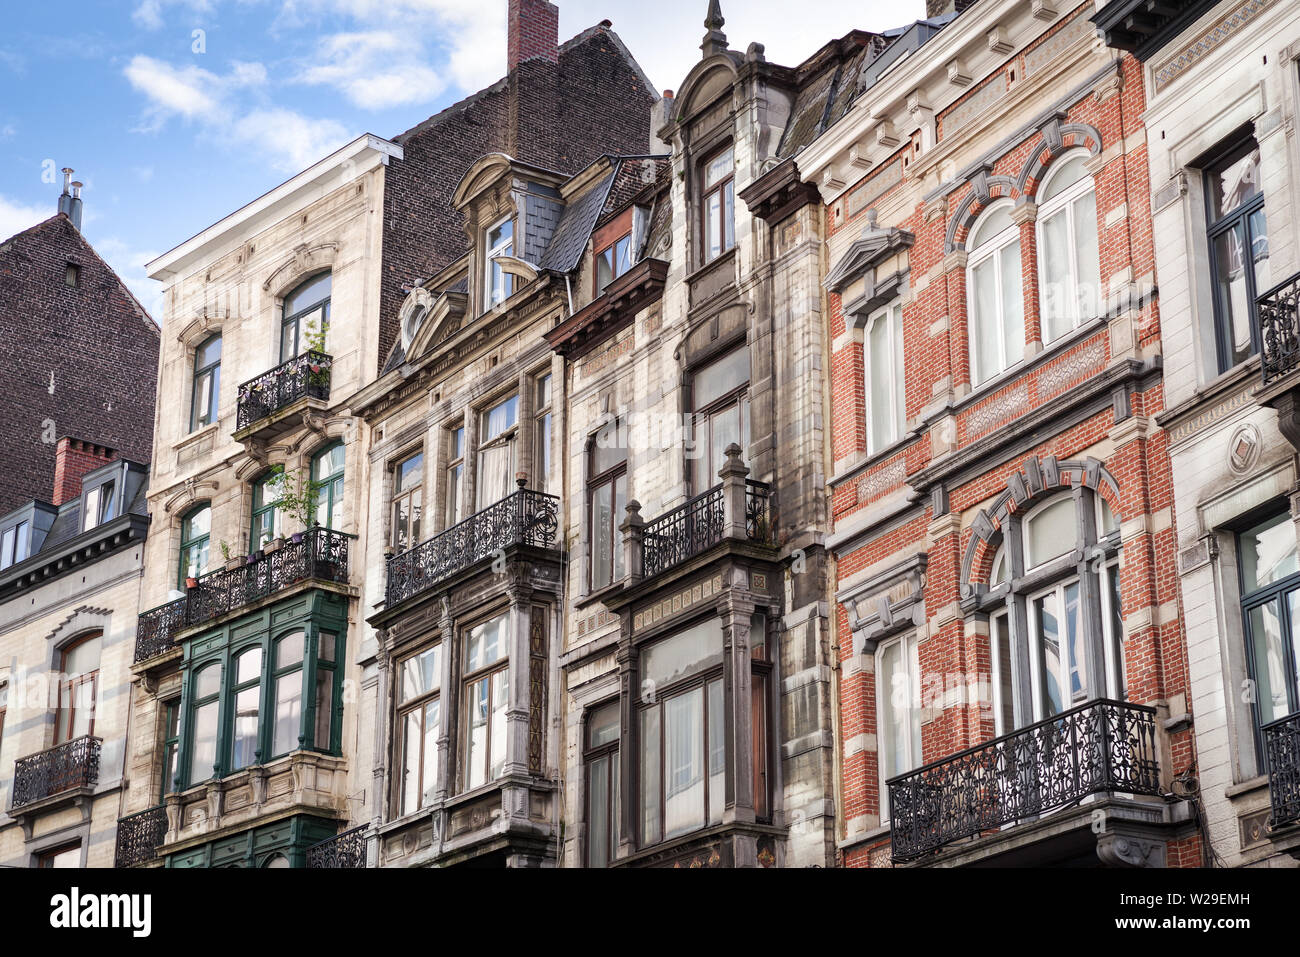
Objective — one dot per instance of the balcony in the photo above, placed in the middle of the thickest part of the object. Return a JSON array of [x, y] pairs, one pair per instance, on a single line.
[[139, 836], [1279, 332], [321, 554], [1102, 747], [65, 768], [1282, 743], [269, 403], [526, 518], [347, 851]]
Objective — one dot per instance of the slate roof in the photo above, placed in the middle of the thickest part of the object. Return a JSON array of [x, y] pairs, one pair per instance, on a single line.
[[570, 238]]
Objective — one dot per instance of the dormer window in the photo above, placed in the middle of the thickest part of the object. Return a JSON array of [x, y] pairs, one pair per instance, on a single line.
[[100, 506], [500, 242], [15, 544], [612, 262], [718, 204]]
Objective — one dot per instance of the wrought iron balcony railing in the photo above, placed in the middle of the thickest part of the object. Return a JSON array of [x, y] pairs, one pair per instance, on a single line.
[[139, 836], [1282, 742], [700, 524], [321, 554], [524, 518], [1099, 747], [1279, 329], [65, 767], [302, 377], [348, 850]]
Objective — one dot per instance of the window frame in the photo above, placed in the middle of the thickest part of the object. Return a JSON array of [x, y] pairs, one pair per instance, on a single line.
[[738, 396], [1219, 225], [992, 249], [615, 258], [892, 314], [506, 438], [454, 477], [330, 489], [490, 269], [70, 688], [484, 673], [211, 374], [912, 731], [1063, 203], [230, 697], [257, 533], [412, 496], [610, 751], [725, 189], [595, 481], [171, 745], [187, 544], [404, 708], [14, 539], [543, 430], [294, 320]]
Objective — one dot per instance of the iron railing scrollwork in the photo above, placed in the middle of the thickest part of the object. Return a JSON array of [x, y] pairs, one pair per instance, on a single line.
[[304, 376], [1098, 747], [319, 553], [684, 532], [139, 836], [64, 767], [1282, 743], [1279, 329], [758, 511], [347, 850], [524, 518]]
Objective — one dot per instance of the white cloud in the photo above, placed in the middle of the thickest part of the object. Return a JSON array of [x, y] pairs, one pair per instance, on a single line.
[[149, 13], [16, 216], [295, 140], [376, 69]]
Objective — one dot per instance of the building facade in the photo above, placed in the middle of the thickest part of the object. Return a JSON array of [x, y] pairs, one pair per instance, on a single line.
[[1012, 674], [1222, 84]]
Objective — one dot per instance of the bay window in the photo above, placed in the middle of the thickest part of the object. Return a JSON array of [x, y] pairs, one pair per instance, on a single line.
[[497, 451], [1270, 590], [994, 292], [1238, 246], [721, 403], [486, 667], [1068, 257], [600, 758], [418, 720], [718, 204], [883, 377]]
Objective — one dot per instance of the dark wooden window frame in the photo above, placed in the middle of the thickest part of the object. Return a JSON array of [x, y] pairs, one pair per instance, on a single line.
[[706, 192], [467, 680], [1239, 145], [409, 496], [595, 482], [403, 709], [71, 686], [295, 319], [590, 754], [210, 371]]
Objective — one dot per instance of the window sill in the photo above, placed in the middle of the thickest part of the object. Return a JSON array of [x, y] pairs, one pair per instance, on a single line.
[[194, 438]]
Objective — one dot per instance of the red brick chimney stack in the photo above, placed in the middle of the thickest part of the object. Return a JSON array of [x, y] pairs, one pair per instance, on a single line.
[[73, 458], [534, 31]]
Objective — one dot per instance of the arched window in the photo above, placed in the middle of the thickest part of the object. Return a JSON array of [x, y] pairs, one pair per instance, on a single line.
[[305, 319], [287, 692], [327, 479], [266, 510], [994, 293], [196, 534], [78, 687], [1055, 623], [206, 388], [1068, 260], [204, 723], [247, 698]]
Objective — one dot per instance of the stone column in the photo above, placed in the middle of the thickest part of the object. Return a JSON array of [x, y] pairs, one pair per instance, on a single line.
[[733, 475], [629, 695], [633, 529], [736, 612], [517, 710], [448, 700]]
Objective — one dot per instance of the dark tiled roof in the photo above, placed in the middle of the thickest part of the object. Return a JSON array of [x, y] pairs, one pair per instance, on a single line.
[[570, 239]]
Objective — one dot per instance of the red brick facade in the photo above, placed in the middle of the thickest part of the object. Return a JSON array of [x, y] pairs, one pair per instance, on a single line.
[[937, 359]]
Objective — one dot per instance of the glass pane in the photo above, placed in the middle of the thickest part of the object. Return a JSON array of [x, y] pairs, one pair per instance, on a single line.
[[245, 732], [720, 377], [543, 481], [608, 449], [1063, 176], [208, 682], [666, 661], [999, 575], [718, 752], [1003, 682], [477, 702], [713, 225], [729, 216], [432, 717], [83, 658], [1116, 629], [422, 673], [995, 222], [684, 763], [324, 709], [726, 431], [1047, 619], [894, 697], [650, 743], [500, 702], [719, 168], [326, 642], [602, 725], [1230, 280], [501, 235], [197, 525], [1235, 181], [602, 535], [308, 294], [985, 327], [412, 760], [1087, 257], [208, 354], [289, 650], [623, 255], [1259, 251], [500, 418], [1268, 553], [599, 811], [604, 269], [410, 473], [92, 509], [1108, 521], [288, 713], [1057, 294], [289, 340], [1013, 304], [485, 644], [620, 510], [204, 754], [1051, 532], [455, 484], [1079, 685], [1268, 646], [496, 474], [249, 666], [880, 396]]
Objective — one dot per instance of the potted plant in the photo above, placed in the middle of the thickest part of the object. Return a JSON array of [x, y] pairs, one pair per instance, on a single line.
[[232, 561], [273, 545], [191, 583], [296, 497], [318, 368]]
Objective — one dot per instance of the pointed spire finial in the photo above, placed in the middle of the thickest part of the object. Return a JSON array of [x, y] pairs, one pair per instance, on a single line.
[[715, 41]]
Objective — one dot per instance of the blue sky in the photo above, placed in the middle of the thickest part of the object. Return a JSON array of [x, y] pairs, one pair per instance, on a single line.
[[177, 112]]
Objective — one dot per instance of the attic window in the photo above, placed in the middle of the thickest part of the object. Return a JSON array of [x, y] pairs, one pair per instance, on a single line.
[[99, 506], [15, 544], [500, 241], [71, 275], [613, 261]]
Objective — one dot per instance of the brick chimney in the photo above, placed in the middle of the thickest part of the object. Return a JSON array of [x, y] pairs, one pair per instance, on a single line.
[[73, 458], [534, 31]]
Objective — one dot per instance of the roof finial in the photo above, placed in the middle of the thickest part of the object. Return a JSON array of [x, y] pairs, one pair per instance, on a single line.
[[715, 41]]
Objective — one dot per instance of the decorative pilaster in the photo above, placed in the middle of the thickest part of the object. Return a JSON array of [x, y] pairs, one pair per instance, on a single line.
[[734, 472]]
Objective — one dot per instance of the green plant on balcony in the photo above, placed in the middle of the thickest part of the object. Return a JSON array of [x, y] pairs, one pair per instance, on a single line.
[[296, 495], [318, 372]]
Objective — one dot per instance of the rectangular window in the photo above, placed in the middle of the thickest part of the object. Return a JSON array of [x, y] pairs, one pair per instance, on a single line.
[[418, 720], [721, 401], [72, 275], [497, 458], [486, 666], [15, 544], [898, 712], [1004, 696], [69, 856], [883, 368], [408, 502], [1238, 246], [542, 434], [601, 760], [500, 242], [612, 262], [718, 204], [606, 505], [454, 500], [100, 506], [1270, 588], [171, 737]]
